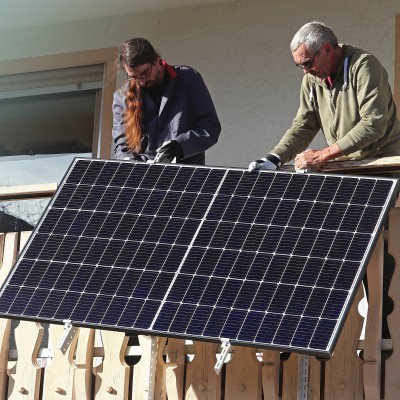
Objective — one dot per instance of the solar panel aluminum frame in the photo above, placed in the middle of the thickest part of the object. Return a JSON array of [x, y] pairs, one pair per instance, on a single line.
[[275, 345]]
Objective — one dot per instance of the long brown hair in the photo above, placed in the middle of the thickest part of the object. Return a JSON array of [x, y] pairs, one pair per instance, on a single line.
[[132, 53]]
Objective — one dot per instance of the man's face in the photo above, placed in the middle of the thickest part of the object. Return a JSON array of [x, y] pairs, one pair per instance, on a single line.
[[148, 75], [314, 63]]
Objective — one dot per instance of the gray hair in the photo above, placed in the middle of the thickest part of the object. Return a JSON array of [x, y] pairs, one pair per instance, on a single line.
[[314, 35]]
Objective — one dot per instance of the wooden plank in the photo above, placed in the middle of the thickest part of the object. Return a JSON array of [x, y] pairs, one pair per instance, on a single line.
[[5, 330], [160, 390], [27, 191], [314, 382], [366, 166], [8, 255], [202, 383], [59, 376], [373, 328], [142, 370], [392, 365], [112, 375], [175, 372], [290, 377], [25, 376], [83, 364], [343, 371], [270, 374], [243, 375]]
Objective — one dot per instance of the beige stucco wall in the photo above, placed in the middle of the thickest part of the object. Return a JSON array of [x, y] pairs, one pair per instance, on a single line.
[[242, 50]]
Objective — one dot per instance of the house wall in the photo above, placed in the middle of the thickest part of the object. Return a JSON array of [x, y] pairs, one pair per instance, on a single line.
[[242, 50]]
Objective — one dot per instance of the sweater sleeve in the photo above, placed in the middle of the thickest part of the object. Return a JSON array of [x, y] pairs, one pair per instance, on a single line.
[[304, 126]]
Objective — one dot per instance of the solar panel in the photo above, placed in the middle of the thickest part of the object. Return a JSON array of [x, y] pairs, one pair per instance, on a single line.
[[269, 259]]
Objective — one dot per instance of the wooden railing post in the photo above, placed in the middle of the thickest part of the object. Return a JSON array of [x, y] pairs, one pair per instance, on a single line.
[[392, 376], [373, 328]]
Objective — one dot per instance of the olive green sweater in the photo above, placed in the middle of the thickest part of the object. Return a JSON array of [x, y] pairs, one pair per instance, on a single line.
[[357, 113]]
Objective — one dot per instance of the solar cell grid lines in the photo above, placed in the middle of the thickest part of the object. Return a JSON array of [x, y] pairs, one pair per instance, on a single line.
[[267, 259]]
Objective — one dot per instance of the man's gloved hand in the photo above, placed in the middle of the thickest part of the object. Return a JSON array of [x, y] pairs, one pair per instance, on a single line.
[[168, 151], [270, 162]]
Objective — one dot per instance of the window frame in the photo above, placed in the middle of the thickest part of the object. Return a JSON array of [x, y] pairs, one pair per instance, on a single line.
[[103, 143]]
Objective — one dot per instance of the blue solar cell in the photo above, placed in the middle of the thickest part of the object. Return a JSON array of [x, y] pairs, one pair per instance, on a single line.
[[197, 180], [147, 314], [199, 320], [378, 196], [216, 322], [286, 330], [345, 277], [296, 186], [233, 323], [272, 238], [289, 240], [213, 180], [79, 170], [293, 270], [267, 211], [111, 251], [182, 318], [180, 182], [36, 302], [268, 328], [196, 289], [167, 177], [299, 300], [246, 294], [167, 315], [276, 268], [278, 186], [241, 267], [212, 291], [206, 264], [130, 313], [251, 324], [225, 262], [136, 176], [151, 177], [304, 332], [179, 288], [262, 184], [96, 313], [312, 188], [281, 299], [114, 311], [329, 189], [161, 285], [238, 236], [234, 208], [246, 184], [114, 278], [228, 293], [230, 183]]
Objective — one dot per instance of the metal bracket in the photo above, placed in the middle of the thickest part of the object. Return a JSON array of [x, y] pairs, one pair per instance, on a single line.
[[225, 347], [68, 335], [153, 364], [302, 388]]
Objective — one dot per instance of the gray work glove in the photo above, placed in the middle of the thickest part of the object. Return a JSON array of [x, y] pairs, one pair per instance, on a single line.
[[168, 151]]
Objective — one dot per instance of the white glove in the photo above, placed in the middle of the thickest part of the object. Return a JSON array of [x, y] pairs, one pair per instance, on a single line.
[[263, 163]]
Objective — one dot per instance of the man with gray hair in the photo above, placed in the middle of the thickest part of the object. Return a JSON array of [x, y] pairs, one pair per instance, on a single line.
[[345, 92]]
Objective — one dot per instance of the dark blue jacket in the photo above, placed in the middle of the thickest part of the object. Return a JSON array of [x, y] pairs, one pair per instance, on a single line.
[[186, 114]]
